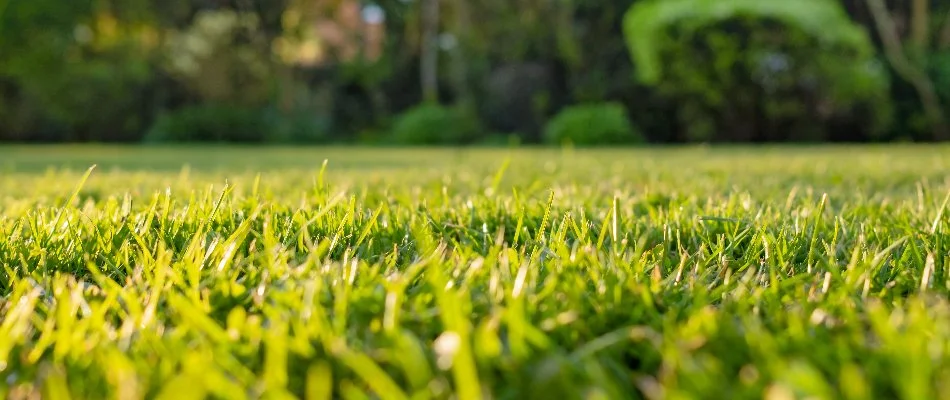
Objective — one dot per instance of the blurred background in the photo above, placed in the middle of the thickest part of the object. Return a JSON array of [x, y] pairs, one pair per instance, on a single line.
[[492, 72]]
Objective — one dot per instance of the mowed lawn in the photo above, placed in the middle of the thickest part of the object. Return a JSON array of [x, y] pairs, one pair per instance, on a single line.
[[726, 273]]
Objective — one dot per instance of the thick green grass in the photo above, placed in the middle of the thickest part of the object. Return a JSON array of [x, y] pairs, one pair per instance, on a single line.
[[676, 273]]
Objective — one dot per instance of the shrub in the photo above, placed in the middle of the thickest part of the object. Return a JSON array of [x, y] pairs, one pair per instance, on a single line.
[[433, 124], [592, 124], [752, 70], [510, 139], [297, 127], [209, 123], [226, 123]]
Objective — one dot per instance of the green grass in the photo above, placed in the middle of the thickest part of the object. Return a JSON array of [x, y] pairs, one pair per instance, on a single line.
[[675, 273]]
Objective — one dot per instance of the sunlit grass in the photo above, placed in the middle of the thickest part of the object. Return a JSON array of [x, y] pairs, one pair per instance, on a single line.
[[675, 273]]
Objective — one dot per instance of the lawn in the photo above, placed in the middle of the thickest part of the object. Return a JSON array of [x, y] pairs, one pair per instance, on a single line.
[[728, 273]]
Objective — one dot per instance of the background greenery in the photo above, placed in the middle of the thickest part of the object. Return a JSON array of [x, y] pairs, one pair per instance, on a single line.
[[467, 72]]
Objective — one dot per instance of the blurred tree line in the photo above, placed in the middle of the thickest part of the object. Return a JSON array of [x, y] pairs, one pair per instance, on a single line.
[[474, 71]]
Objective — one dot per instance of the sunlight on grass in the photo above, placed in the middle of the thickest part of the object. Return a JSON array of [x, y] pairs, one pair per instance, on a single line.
[[676, 273]]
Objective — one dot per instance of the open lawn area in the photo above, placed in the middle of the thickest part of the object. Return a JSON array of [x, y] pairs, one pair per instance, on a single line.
[[727, 273]]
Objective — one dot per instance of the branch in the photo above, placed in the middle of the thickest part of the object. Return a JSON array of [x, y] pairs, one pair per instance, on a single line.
[[944, 38], [429, 73], [920, 25], [894, 51]]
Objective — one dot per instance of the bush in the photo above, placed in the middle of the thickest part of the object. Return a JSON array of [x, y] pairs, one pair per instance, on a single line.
[[433, 124], [297, 127], [757, 71], [209, 123], [498, 139], [225, 123], [592, 124]]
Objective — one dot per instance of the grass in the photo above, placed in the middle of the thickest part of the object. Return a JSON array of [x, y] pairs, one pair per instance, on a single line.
[[735, 273]]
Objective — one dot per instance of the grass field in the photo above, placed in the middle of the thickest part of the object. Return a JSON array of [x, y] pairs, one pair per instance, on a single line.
[[234, 273]]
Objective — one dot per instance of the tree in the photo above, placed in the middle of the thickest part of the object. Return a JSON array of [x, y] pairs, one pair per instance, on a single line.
[[748, 69], [910, 63], [429, 70], [78, 66], [646, 20]]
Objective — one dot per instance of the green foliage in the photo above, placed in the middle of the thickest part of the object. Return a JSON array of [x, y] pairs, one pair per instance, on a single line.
[[500, 139], [474, 274], [298, 126], [215, 59], [940, 70], [229, 123], [592, 124], [98, 99], [744, 70], [75, 66], [649, 19], [209, 123], [104, 70], [433, 124]]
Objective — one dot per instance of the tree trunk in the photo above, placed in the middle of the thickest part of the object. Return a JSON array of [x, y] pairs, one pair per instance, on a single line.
[[907, 70], [944, 36], [920, 26], [462, 32], [429, 70]]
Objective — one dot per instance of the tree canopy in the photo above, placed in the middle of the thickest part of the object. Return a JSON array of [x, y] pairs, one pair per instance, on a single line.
[[823, 19]]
